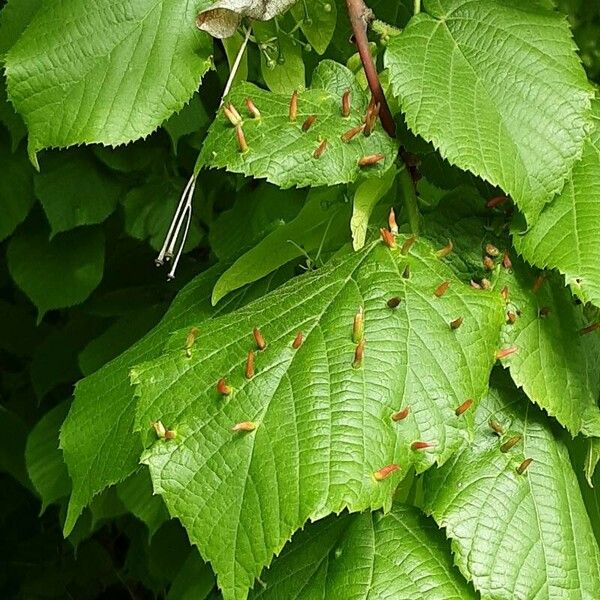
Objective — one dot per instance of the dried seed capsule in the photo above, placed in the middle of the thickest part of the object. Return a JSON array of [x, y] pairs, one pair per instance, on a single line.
[[359, 353], [385, 472], [160, 429], [488, 263], [506, 262], [293, 111], [537, 284], [392, 221], [259, 339], [244, 426], [544, 312], [369, 160], [388, 238], [298, 340], [358, 326], [504, 293], [222, 387], [511, 317], [319, 151], [352, 133], [407, 245], [241, 139], [346, 103], [394, 302], [510, 443], [496, 201], [250, 365], [254, 112], [456, 323], [310, 120], [491, 250], [441, 289], [445, 250], [498, 429], [523, 466], [505, 352], [401, 415], [232, 115], [421, 445], [465, 406], [190, 339], [589, 328]]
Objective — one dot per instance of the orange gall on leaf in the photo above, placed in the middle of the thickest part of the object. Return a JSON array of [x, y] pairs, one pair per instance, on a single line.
[[388, 238], [259, 339], [244, 426], [407, 245], [504, 293], [418, 445], [298, 340], [401, 415], [385, 472], [370, 160], [589, 328], [359, 353], [190, 339], [358, 326], [510, 443], [232, 115], [319, 151], [293, 110], [456, 323], [488, 263], [486, 284], [504, 352], [223, 388], [445, 250], [310, 121], [506, 262], [352, 133], [491, 250], [241, 139], [464, 407], [254, 112], [496, 201], [496, 427], [159, 428], [346, 103], [170, 434], [249, 371], [392, 221], [511, 317], [393, 302], [441, 289], [537, 284], [524, 465], [371, 119]]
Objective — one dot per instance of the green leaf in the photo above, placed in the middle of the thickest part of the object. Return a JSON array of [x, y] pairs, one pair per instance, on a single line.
[[282, 153], [322, 219], [192, 118], [401, 554], [14, 18], [12, 446], [194, 581], [16, 188], [75, 191], [513, 535], [497, 86], [10, 118], [567, 234], [102, 413], [324, 427], [317, 19], [148, 59], [44, 459], [57, 273]]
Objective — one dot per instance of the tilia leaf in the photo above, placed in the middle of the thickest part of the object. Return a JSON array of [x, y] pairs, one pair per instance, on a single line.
[[505, 103], [317, 412]]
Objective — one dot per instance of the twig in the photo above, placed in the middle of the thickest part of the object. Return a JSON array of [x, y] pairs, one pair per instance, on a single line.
[[360, 16]]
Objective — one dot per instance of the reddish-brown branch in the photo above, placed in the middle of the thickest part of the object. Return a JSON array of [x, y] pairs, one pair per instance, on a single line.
[[360, 15]]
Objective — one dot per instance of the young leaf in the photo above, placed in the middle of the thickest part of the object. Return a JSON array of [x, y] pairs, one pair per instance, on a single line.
[[515, 535], [57, 273], [400, 554], [44, 459], [567, 234], [321, 408], [506, 104], [116, 71], [194, 581], [282, 153], [317, 20]]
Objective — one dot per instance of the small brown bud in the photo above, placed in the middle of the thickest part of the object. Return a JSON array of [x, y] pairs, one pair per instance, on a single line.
[[504, 293], [496, 201], [254, 112], [385, 472], [223, 388], [465, 406], [358, 326], [510, 443], [491, 250], [388, 238], [346, 103], [544, 312], [392, 221], [496, 427], [259, 339], [511, 317], [250, 365], [190, 339], [319, 151], [352, 133], [293, 111], [589, 328], [369, 160], [394, 302], [408, 243], [421, 445], [505, 352], [298, 340], [445, 250], [244, 426], [456, 323], [241, 139], [523, 466], [310, 120], [506, 262], [488, 263], [359, 353], [537, 284], [441, 289], [401, 415]]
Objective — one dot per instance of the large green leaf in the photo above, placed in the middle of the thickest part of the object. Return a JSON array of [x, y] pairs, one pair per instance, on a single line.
[[324, 423], [400, 554], [516, 535], [567, 234], [105, 72], [282, 153], [497, 86]]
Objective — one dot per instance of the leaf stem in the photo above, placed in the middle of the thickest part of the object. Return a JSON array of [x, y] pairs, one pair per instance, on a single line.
[[409, 196], [360, 15]]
